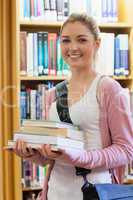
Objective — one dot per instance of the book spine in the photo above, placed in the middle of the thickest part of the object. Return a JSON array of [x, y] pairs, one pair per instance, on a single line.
[[52, 53], [59, 58], [40, 52], [117, 70], [46, 60], [59, 8], [23, 53], [35, 55], [35, 8], [23, 104], [32, 9], [28, 109], [30, 54], [33, 104], [124, 53], [104, 10], [115, 10]]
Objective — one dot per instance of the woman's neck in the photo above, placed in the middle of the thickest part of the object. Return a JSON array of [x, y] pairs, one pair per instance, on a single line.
[[82, 76]]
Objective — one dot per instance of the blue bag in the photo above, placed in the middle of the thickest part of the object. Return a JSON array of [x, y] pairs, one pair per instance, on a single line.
[[114, 191]]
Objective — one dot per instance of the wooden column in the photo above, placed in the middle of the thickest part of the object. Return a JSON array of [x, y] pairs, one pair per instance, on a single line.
[[15, 30], [1, 127], [6, 159]]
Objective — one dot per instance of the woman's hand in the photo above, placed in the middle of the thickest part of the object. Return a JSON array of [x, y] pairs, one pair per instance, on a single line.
[[23, 150], [47, 152]]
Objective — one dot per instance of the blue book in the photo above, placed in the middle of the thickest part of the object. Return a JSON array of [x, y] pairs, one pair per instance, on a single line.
[[104, 10], [38, 105], [115, 10], [59, 60], [117, 70], [124, 54], [45, 46], [40, 53], [26, 8], [23, 104]]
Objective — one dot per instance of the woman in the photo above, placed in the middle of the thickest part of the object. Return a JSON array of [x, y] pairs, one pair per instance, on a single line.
[[97, 105]]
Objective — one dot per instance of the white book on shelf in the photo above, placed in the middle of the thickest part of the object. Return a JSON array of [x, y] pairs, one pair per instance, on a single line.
[[33, 104], [30, 54], [77, 7], [96, 10], [105, 59]]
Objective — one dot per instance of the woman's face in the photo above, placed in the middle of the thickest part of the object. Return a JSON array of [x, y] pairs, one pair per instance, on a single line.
[[78, 45]]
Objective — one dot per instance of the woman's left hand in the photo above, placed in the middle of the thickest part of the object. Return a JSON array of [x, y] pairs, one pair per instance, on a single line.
[[47, 152]]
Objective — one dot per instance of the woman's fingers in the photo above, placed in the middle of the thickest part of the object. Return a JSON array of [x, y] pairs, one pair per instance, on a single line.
[[47, 152], [22, 150]]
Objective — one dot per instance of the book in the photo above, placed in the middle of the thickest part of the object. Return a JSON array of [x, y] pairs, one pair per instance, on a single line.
[[11, 145], [62, 132], [57, 141], [23, 53], [48, 124]]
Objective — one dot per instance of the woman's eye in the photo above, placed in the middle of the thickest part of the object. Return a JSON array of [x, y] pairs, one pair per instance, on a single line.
[[82, 40], [65, 40]]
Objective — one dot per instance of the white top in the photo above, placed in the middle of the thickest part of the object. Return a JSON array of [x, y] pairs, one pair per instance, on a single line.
[[63, 183]]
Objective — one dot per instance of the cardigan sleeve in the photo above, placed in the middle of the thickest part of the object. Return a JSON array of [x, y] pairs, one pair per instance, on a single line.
[[118, 120]]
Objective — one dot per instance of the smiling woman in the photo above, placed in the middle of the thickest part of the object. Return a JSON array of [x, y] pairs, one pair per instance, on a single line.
[[95, 104], [79, 46]]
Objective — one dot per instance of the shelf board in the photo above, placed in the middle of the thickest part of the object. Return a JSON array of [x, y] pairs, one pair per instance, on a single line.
[[115, 25], [41, 22], [128, 181], [59, 78], [41, 78], [122, 77], [31, 189], [44, 23]]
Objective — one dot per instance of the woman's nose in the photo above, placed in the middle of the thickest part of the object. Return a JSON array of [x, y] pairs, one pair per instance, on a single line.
[[73, 46]]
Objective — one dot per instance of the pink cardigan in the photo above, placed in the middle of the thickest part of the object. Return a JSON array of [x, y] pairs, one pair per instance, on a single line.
[[116, 133]]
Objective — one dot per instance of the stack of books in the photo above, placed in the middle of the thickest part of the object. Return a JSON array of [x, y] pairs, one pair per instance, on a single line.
[[59, 135]]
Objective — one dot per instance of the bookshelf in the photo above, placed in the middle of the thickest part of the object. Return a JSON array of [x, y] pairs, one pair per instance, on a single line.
[[17, 80]]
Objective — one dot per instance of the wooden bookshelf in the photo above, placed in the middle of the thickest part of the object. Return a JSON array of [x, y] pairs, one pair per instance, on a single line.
[[57, 24], [50, 78], [12, 170], [31, 189]]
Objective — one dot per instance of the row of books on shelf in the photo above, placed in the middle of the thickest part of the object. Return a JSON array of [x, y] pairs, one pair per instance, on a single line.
[[32, 174], [40, 54], [59, 10], [32, 102]]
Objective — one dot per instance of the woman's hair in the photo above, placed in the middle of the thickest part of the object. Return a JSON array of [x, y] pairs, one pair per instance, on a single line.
[[88, 21]]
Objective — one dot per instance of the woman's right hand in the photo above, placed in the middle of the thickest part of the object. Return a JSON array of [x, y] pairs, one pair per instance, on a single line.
[[23, 150]]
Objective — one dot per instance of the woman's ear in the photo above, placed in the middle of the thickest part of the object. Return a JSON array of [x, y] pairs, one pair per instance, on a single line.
[[97, 43]]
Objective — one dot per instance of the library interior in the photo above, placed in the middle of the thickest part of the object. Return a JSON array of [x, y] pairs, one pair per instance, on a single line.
[[32, 63]]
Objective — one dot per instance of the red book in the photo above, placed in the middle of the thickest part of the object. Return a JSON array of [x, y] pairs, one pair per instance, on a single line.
[[23, 53], [52, 37]]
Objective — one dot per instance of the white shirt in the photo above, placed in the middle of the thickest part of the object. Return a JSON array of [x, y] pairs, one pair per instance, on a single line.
[[63, 183]]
